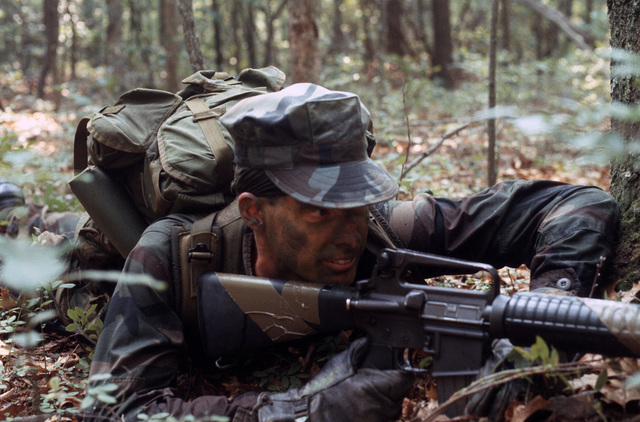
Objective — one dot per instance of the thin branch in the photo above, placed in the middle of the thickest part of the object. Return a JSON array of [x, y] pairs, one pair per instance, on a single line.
[[597, 276], [504, 377], [409, 143], [432, 149]]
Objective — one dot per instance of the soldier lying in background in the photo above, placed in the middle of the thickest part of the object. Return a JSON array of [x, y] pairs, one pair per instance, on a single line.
[[18, 217]]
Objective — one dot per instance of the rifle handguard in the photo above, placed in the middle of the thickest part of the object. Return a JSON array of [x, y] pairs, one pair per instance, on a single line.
[[569, 323]]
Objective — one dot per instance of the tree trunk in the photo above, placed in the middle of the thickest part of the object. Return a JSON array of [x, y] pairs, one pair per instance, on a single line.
[[26, 42], [303, 41], [73, 49], [191, 39], [395, 40], [491, 123], [250, 34], [443, 45], [505, 14], [168, 40], [114, 33], [337, 35], [370, 52], [270, 17], [51, 29], [624, 22], [236, 20], [143, 50], [217, 35], [577, 35], [421, 33], [588, 8]]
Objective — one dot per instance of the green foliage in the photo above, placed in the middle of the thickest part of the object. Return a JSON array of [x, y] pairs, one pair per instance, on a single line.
[[17, 270], [291, 373], [89, 327]]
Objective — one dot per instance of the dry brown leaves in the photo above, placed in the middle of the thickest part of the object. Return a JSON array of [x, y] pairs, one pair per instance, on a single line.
[[28, 374]]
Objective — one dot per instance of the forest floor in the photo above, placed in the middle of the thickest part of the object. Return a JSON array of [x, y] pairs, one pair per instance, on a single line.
[[36, 150]]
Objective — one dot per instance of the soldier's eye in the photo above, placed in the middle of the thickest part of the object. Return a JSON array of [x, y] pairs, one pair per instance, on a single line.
[[320, 212]]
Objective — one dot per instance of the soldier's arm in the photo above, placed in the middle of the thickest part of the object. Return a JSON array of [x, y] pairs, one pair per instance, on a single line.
[[142, 341], [557, 230]]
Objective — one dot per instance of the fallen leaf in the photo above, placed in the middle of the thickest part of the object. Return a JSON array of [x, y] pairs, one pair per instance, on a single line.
[[615, 392], [522, 411]]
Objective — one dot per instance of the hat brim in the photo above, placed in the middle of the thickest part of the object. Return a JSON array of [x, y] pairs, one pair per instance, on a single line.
[[348, 185]]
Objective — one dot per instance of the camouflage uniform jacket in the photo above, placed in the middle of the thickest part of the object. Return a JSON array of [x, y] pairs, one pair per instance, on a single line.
[[558, 230]]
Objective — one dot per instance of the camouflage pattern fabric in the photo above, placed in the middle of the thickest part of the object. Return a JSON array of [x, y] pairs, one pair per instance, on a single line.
[[32, 219], [311, 143], [559, 230]]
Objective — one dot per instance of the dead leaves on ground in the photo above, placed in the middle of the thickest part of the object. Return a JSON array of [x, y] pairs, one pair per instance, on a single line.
[[53, 372]]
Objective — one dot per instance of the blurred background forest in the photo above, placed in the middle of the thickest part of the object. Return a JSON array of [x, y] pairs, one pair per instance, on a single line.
[[462, 93], [422, 67]]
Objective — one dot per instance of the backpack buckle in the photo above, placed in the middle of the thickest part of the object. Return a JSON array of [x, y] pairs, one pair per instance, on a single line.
[[200, 252]]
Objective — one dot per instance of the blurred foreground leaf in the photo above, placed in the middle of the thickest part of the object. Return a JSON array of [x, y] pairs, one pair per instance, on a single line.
[[25, 267]]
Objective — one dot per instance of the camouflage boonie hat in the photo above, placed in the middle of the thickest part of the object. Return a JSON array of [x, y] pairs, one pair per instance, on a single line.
[[311, 143]]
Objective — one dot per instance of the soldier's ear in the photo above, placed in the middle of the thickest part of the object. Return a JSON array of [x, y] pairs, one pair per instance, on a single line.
[[250, 207]]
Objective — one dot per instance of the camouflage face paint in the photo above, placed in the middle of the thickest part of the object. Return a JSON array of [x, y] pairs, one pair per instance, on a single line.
[[309, 243]]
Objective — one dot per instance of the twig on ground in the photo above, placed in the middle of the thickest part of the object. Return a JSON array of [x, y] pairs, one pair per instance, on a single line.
[[432, 149]]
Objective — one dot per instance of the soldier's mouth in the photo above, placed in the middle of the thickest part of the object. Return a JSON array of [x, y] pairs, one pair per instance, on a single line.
[[341, 264]]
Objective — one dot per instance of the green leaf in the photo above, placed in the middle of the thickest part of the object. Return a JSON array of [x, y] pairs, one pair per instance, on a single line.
[[17, 270], [540, 350], [72, 327], [295, 382], [71, 313], [29, 338], [106, 398], [602, 380]]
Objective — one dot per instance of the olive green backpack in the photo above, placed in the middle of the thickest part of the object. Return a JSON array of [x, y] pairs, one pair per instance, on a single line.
[[155, 152]]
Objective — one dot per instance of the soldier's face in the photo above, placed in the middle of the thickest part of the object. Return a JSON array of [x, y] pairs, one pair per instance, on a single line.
[[314, 244]]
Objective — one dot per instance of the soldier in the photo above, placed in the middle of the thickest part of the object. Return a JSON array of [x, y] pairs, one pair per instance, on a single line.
[[20, 218], [312, 206]]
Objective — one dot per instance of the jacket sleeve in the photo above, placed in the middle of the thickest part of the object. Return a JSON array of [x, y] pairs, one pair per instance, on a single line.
[[142, 341], [559, 231]]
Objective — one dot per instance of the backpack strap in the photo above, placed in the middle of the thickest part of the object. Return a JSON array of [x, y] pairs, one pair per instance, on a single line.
[[206, 118], [201, 249], [80, 150]]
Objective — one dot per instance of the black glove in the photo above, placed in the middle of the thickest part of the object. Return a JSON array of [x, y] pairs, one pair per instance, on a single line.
[[493, 401], [340, 392]]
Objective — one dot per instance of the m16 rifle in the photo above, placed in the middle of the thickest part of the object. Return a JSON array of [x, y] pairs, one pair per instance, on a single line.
[[456, 326]]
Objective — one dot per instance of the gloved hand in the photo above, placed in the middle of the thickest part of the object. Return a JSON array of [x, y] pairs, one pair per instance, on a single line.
[[493, 401], [340, 392]]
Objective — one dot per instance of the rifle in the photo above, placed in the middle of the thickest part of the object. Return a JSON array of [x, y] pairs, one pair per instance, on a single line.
[[457, 326]]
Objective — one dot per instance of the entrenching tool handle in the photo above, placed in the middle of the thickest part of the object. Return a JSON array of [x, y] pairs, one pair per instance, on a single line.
[[110, 207], [569, 323]]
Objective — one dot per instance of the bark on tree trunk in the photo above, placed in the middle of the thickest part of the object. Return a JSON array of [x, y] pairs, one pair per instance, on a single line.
[[191, 39], [52, 29], [142, 46], [217, 35], [443, 45], [303, 41], [114, 32], [236, 19], [395, 40], [369, 50], [337, 36], [624, 22], [249, 34], [271, 16], [168, 31]]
